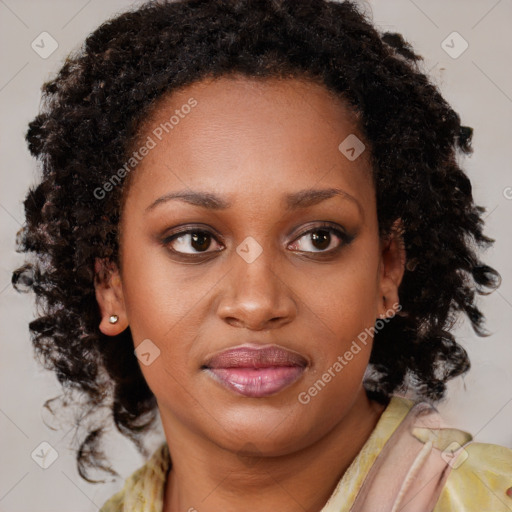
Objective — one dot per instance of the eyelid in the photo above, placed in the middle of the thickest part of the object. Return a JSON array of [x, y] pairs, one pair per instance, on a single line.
[[338, 230], [318, 225], [187, 230]]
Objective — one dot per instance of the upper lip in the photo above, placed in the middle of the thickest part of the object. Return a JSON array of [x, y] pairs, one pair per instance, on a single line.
[[253, 356]]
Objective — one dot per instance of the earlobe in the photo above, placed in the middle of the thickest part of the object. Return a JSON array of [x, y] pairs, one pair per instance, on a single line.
[[109, 295], [392, 269]]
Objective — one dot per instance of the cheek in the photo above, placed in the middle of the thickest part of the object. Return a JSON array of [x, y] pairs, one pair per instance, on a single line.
[[347, 295], [343, 307], [158, 294], [163, 307], [345, 312]]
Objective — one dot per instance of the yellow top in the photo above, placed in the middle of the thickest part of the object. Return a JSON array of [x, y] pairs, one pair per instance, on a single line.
[[480, 483]]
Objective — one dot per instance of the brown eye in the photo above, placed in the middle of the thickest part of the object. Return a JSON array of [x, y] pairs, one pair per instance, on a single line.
[[320, 239], [190, 242]]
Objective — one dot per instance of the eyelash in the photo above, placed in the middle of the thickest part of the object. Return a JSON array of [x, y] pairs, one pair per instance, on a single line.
[[345, 239]]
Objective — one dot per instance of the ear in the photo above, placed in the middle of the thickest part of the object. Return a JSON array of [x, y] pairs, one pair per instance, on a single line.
[[392, 267], [110, 298]]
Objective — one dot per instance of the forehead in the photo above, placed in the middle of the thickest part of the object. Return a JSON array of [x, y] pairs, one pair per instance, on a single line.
[[245, 136]]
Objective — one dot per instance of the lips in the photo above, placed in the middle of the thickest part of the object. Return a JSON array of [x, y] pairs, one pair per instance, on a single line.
[[255, 371]]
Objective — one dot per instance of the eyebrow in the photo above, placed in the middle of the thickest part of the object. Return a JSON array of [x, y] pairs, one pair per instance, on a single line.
[[294, 201]]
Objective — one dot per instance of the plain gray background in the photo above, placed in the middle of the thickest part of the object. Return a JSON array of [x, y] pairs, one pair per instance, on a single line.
[[478, 85]]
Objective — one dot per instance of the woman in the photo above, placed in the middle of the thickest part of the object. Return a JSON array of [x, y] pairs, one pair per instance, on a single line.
[[263, 200]]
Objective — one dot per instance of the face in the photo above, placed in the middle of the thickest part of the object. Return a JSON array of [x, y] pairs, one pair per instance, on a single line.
[[273, 243]]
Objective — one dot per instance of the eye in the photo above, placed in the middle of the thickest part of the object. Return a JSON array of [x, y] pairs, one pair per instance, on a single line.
[[320, 239], [324, 239], [192, 241]]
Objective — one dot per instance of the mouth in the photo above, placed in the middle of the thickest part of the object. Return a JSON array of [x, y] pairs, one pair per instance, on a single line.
[[256, 372]]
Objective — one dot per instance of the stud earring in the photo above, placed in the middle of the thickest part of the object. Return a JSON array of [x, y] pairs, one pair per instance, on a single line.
[[113, 319]]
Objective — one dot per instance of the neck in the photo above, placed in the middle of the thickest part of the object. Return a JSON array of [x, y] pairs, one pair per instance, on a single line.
[[207, 478]]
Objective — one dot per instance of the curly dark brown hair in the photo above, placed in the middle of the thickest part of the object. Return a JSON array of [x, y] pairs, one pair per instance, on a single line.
[[93, 112]]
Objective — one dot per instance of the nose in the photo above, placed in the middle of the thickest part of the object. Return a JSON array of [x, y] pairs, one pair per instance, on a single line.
[[256, 297]]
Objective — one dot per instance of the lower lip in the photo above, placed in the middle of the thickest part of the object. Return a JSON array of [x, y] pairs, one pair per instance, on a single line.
[[257, 382]]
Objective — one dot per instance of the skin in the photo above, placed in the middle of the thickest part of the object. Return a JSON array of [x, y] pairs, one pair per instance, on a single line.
[[251, 142]]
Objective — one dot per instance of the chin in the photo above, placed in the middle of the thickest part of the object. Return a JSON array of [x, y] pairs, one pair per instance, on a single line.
[[269, 433]]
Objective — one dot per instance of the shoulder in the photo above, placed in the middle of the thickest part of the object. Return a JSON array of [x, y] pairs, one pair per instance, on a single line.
[[144, 488], [480, 479]]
